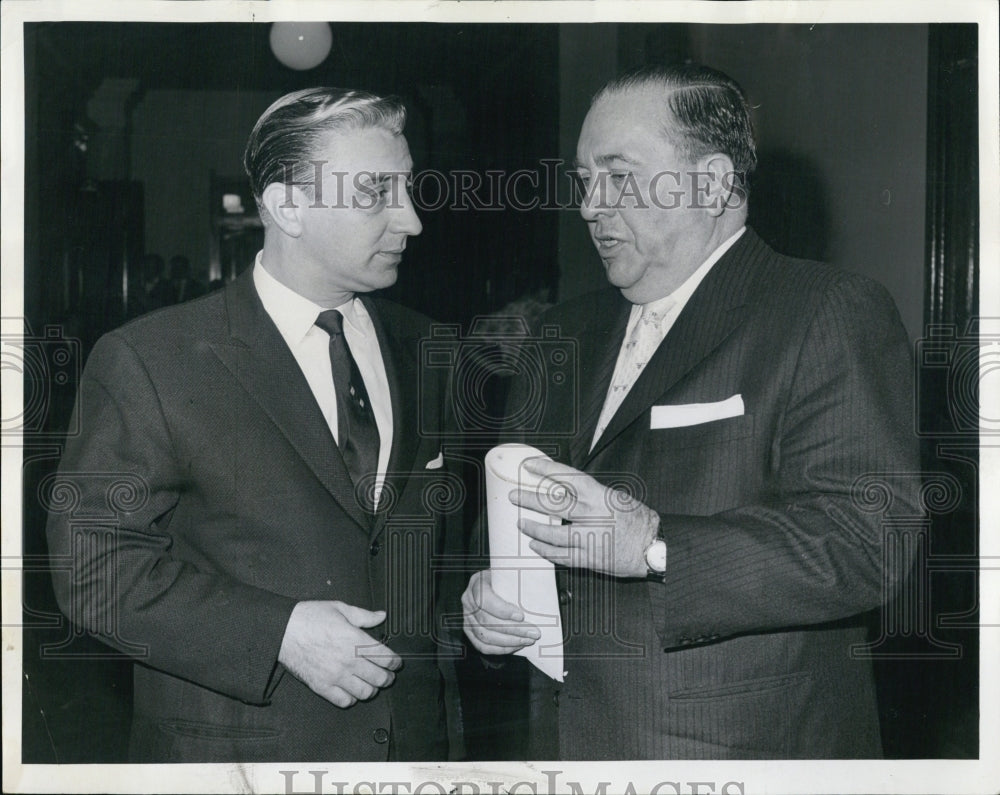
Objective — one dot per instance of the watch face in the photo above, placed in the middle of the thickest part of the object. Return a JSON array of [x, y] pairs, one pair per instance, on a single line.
[[656, 556]]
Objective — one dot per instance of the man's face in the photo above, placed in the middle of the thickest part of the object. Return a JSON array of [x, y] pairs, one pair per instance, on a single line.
[[639, 196], [354, 228]]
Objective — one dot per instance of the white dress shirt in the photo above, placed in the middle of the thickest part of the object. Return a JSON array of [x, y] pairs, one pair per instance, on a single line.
[[668, 308], [295, 317]]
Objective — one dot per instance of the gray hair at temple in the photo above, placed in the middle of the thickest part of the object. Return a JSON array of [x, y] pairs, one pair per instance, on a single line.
[[289, 133], [708, 111]]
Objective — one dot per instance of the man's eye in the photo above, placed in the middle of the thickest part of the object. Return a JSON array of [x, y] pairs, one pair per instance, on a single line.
[[387, 187], [618, 178], [378, 191], [371, 196]]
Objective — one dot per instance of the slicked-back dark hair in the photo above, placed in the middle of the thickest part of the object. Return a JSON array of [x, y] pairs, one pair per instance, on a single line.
[[288, 134], [708, 111]]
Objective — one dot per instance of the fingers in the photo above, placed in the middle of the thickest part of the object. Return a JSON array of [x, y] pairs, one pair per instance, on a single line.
[[546, 467], [533, 501], [563, 491], [491, 642], [492, 624], [564, 556], [508, 636], [339, 697], [358, 688], [492, 637], [368, 647], [479, 595], [492, 627], [357, 680], [360, 617], [553, 498], [372, 673], [379, 654], [327, 647], [557, 535], [349, 692]]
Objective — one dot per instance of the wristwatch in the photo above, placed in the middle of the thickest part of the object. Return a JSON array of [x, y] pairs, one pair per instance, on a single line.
[[656, 557]]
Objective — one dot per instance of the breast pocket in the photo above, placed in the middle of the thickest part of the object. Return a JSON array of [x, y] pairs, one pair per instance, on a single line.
[[703, 469], [706, 433]]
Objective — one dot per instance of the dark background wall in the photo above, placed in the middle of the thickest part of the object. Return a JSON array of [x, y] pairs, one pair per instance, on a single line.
[[840, 112], [132, 128], [163, 110]]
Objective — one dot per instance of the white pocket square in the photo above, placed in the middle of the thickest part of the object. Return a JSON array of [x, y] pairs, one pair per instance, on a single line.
[[685, 414], [435, 463]]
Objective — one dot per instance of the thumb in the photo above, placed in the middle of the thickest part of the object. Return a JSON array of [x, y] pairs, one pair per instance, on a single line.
[[360, 617]]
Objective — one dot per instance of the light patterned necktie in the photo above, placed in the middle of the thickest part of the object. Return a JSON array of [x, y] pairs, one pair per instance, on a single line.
[[639, 349]]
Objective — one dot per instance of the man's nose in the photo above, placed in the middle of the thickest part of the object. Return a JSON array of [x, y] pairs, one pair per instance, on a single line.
[[594, 202], [405, 220]]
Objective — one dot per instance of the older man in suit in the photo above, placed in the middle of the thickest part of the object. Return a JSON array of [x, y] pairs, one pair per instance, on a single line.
[[270, 567], [714, 561]]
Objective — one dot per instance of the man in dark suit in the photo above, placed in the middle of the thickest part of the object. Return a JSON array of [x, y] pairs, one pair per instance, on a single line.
[[716, 551], [246, 507]]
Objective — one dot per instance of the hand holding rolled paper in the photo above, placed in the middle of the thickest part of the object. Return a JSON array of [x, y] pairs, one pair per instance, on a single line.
[[516, 602], [576, 521]]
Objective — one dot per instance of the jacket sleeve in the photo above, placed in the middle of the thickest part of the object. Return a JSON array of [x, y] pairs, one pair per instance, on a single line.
[[815, 550], [110, 508]]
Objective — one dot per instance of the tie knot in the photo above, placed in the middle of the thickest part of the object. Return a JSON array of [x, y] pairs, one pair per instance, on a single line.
[[654, 317], [331, 321]]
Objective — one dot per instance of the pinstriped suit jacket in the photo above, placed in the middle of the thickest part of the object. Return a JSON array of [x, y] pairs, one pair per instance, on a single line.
[[746, 650]]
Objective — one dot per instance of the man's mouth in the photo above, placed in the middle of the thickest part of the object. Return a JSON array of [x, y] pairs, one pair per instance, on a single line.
[[606, 243]]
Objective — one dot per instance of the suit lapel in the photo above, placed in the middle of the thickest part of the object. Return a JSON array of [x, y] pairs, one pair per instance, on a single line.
[[598, 356], [714, 311], [401, 373], [258, 357]]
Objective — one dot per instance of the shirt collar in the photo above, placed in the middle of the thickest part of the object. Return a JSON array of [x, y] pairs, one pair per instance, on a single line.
[[679, 297], [295, 315]]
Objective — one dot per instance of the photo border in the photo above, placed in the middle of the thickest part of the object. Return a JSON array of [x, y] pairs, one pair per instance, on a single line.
[[917, 776]]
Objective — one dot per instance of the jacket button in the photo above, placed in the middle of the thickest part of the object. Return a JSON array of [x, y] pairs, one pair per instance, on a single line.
[[565, 595], [381, 736], [375, 548]]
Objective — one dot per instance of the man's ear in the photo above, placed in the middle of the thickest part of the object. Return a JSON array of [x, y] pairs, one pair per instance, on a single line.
[[285, 203], [720, 184]]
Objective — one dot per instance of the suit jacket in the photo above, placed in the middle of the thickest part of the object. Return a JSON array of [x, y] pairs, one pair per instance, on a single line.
[[205, 496], [746, 650]]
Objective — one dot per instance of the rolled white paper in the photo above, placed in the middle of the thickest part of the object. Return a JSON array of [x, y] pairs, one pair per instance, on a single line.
[[519, 574]]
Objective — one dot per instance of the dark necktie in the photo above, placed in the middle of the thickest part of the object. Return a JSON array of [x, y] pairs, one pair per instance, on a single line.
[[357, 433]]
